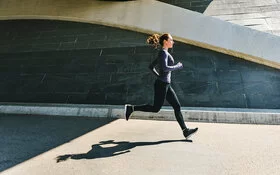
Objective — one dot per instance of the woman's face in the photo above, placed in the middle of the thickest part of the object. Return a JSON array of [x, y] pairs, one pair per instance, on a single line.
[[169, 43]]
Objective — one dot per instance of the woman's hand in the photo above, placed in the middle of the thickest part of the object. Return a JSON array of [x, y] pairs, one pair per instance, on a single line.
[[179, 64]]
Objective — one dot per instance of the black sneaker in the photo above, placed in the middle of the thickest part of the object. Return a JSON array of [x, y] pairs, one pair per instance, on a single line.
[[188, 132], [128, 109]]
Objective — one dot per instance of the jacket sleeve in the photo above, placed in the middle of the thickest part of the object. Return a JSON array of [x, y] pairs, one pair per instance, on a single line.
[[152, 67]]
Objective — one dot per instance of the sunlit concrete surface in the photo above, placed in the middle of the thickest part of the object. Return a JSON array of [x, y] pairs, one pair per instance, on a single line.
[[150, 16], [262, 15], [142, 147]]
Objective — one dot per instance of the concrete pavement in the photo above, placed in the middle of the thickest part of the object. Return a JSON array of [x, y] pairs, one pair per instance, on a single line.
[[63, 145]]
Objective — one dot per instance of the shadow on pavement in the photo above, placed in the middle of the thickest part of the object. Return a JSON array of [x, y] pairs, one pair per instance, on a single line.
[[24, 137], [118, 148]]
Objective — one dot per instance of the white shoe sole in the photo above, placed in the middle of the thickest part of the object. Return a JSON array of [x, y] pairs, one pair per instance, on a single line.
[[189, 136], [125, 108]]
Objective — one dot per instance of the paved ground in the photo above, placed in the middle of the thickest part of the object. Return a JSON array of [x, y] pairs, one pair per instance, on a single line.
[[67, 145]]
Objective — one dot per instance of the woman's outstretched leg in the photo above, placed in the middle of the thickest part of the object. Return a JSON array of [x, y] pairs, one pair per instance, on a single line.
[[172, 99], [160, 90]]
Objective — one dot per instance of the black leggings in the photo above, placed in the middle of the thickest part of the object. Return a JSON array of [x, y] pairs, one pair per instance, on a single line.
[[164, 91]]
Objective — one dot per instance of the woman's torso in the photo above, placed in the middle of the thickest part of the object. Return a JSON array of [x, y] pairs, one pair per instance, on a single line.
[[164, 75]]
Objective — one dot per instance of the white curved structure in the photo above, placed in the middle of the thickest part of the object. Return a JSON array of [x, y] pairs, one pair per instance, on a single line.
[[150, 16]]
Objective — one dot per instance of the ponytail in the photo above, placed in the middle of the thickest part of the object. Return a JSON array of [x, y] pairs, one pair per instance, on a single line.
[[156, 40], [153, 40]]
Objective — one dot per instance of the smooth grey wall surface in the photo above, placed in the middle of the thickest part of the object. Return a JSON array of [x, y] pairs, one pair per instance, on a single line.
[[67, 62], [194, 5]]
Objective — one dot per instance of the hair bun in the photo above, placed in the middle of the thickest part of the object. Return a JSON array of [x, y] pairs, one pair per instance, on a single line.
[[153, 40]]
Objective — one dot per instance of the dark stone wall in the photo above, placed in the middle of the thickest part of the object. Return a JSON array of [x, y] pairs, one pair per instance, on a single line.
[[67, 62], [194, 5]]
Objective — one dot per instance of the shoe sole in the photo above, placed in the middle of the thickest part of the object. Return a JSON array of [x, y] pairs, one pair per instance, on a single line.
[[125, 109], [189, 136]]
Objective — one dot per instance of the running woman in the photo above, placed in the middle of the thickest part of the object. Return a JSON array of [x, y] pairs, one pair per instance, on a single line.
[[162, 68]]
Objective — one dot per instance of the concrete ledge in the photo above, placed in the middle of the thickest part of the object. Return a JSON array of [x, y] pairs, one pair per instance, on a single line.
[[214, 115]]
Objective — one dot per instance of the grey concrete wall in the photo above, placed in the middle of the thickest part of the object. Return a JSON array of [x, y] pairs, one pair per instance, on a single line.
[[68, 62], [140, 16], [194, 5], [259, 15]]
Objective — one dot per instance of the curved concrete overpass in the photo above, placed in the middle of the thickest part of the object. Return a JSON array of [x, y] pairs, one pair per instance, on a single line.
[[149, 16]]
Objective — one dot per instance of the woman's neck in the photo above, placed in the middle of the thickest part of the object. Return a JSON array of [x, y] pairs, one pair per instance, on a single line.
[[165, 48]]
